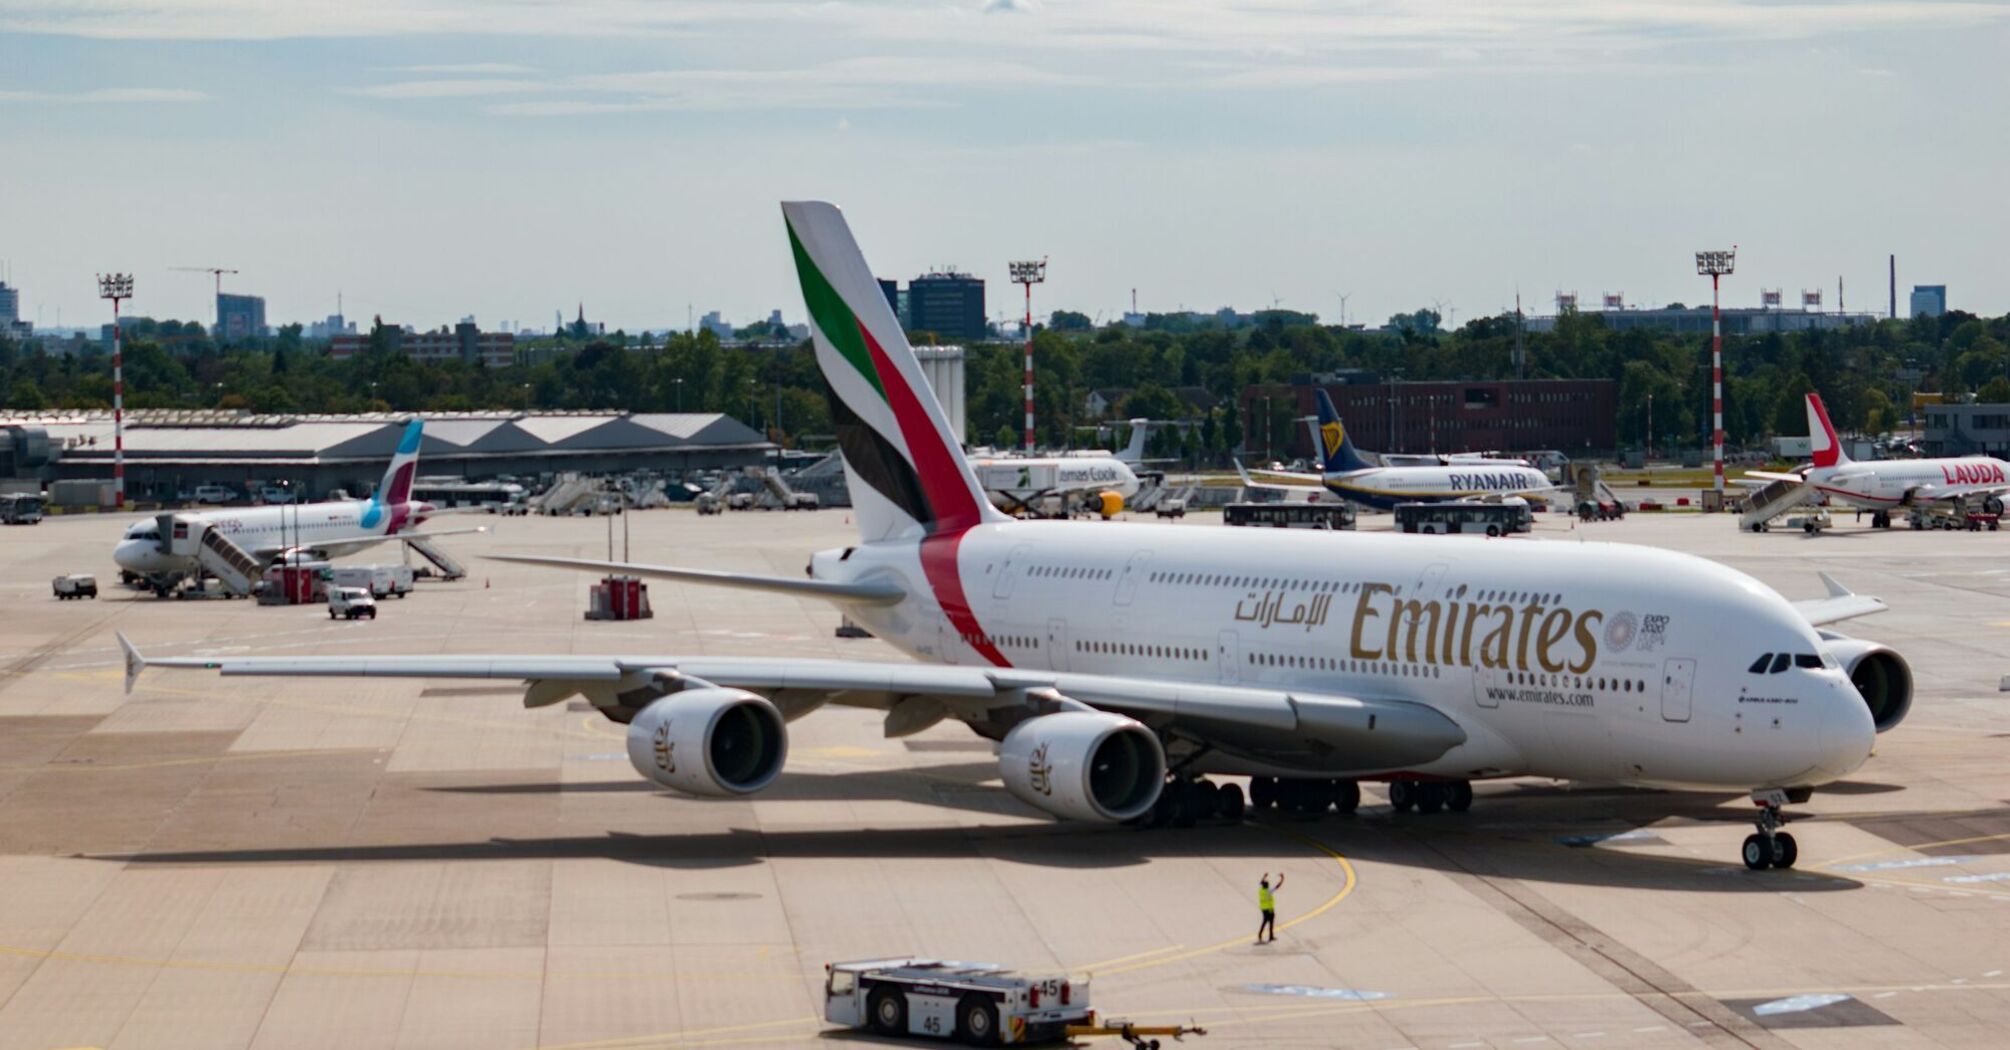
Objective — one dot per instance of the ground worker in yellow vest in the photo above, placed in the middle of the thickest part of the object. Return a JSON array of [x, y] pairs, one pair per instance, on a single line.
[[1267, 902]]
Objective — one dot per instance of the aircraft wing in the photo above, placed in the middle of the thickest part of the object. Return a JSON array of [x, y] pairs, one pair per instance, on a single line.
[[1772, 475], [1840, 604], [338, 548], [1270, 724], [1304, 481], [869, 592]]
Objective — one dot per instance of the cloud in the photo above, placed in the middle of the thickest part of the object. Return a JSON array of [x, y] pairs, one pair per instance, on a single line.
[[992, 7], [120, 96], [448, 88], [495, 69]]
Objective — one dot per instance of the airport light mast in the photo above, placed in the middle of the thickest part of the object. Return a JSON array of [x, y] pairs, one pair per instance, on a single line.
[[117, 287], [1029, 273], [1716, 264]]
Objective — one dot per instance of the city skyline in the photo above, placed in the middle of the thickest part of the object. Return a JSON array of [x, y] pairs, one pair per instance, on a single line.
[[501, 162]]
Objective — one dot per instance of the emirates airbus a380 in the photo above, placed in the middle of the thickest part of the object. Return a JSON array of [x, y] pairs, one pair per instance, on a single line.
[[1118, 666]]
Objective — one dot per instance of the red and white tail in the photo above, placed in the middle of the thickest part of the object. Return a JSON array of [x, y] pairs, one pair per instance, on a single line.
[[906, 470], [1822, 440]]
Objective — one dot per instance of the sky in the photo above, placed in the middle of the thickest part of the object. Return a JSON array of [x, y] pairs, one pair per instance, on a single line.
[[506, 159]]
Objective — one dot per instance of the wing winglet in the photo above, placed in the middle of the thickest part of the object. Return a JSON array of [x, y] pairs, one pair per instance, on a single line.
[[1836, 589], [1839, 604], [135, 663]]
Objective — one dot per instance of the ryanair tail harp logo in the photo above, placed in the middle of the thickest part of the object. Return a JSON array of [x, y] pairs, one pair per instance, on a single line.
[[1332, 434]]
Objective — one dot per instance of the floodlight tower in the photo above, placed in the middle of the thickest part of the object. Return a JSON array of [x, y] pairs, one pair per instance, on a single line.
[[1717, 264], [1029, 273], [117, 287]]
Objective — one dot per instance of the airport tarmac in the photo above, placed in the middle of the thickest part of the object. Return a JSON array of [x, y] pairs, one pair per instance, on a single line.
[[288, 864]]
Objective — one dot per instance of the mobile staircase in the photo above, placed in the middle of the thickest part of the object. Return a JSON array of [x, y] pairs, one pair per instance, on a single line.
[[1778, 498]]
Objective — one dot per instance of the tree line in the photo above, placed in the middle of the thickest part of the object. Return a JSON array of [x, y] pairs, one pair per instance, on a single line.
[[1866, 373]]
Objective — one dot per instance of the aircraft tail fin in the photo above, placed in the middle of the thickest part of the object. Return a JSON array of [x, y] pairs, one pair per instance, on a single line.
[[396, 487], [1135, 451], [906, 470], [1336, 449], [1822, 440]]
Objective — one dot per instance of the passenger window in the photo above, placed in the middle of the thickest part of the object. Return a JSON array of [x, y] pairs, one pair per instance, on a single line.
[[1781, 661], [1759, 665]]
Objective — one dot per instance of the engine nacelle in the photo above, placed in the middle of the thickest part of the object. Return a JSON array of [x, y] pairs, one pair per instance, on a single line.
[[1880, 675], [1109, 504], [717, 742], [1084, 765]]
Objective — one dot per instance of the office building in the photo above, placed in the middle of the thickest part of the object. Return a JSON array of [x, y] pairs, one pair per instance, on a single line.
[[949, 304], [10, 313], [240, 317], [1929, 300], [464, 342]]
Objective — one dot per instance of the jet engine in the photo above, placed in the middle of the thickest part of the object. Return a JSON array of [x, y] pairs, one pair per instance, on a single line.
[[1109, 504], [1084, 765], [716, 742], [1880, 675]]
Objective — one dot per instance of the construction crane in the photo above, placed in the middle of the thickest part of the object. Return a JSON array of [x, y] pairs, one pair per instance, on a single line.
[[217, 272]]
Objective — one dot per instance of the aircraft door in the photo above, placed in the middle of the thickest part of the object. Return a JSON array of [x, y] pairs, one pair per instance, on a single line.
[[1134, 571], [1015, 563], [1228, 657], [1057, 644], [1678, 677], [1483, 683]]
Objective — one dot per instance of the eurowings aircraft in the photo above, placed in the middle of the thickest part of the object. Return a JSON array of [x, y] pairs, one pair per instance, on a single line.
[[1118, 667], [1882, 486], [329, 529], [1024, 484], [1346, 474]]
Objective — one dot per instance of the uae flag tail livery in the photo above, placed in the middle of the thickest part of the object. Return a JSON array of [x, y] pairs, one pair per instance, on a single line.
[[1822, 441], [909, 480]]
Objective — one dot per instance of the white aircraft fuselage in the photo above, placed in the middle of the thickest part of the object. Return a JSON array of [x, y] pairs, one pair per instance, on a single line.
[[1585, 661], [1384, 487], [351, 523], [1887, 483]]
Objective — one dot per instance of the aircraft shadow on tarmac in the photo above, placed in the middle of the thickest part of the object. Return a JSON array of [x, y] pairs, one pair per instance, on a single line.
[[1525, 832]]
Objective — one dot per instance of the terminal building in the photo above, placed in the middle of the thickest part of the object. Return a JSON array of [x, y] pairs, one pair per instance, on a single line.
[[1738, 321], [1572, 416], [1966, 430], [174, 451]]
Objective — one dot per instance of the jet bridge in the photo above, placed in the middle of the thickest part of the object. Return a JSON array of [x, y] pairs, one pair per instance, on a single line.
[[1773, 501]]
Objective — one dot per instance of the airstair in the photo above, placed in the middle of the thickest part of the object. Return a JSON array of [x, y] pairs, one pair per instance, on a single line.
[[1762, 506], [566, 494], [1149, 495], [449, 569]]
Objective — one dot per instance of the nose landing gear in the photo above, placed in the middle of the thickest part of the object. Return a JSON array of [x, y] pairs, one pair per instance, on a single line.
[[1769, 847]]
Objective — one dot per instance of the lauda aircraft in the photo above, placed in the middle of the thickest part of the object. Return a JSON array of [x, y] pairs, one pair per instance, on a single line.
[[1117, 667], [1885, 485], [1346, 474]]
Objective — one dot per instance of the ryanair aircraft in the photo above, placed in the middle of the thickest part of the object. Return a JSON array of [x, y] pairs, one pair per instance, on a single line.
[[1347, 475], [1118, 667]]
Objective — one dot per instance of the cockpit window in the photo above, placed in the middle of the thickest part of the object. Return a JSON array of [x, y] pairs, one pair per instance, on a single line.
[[1781, 661], [1759, 665], [1808, 660]]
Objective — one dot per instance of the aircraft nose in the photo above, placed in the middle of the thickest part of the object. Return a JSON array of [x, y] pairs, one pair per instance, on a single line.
[[1847, 733], [128, 555]]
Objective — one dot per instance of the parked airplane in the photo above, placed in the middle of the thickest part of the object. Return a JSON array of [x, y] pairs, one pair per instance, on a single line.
[[1351, 477], [1116, 667], [1097, 481], [269, 534], [1884, 485]]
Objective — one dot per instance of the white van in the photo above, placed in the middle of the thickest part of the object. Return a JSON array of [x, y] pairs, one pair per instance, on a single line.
[[214, 494], [350, 603]]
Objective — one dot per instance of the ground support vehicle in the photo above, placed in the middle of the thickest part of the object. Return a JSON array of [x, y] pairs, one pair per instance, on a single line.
[[75, 585], [706, 503], [383, 581], [20, 508], [351, 603], [1479, 517], [1172, 507], [977, 1003]]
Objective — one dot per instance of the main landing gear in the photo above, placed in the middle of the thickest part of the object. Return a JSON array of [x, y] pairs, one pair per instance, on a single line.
[[1880, 519], [1186, 801], [1310, 797], [1769, 847]]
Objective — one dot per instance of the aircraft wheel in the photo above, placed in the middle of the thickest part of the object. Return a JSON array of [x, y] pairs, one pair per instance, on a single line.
[[1785, 850], [1229, 805], [1462, 797], [1431, 798], [888, 1009], [1346, 796], [1402, 795], [1262, 792], [1757, 853]]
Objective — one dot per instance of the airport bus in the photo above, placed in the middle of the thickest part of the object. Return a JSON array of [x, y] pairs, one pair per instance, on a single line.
[[20, 508], [1335, 515], [1489, 517], [500, 497]]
